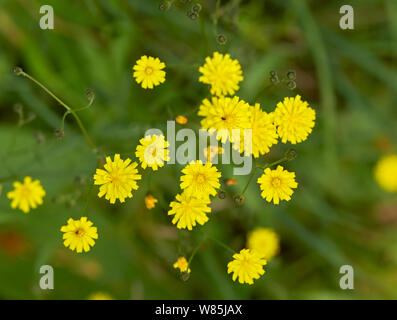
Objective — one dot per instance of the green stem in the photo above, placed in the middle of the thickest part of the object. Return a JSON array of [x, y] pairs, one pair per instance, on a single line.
[[69, 110], [196, 250], [249, 180], [269, 165], [221, 244]]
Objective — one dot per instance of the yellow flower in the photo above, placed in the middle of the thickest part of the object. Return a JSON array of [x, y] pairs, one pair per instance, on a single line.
[[79, 235], [277, 184], [117, 180], [182, 265], [181, 119], [26, 195], [211, 151], [189, 210], [148, 72], [264, 133], [152, 151], [200, 180], [100, 296], [222, 73], [150, 201], [264, 241], [294, 120], [223, 115], [246, 266], [386, 172]]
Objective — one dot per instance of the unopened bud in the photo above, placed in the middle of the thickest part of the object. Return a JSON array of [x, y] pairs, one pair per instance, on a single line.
[[221, 194], [18, 108], [290, 154], [231, 182], [164, 5], [291, 85], [192, 15], [196, 7], [221, 39], [238, 200], [59, 133], [291, 75], [181, 119], [272, 73], [90, 94], [18, 71], [274, 79], [185, 276]]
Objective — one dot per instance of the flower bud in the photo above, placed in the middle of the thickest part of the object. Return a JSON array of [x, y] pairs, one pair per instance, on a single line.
[[196, 8], [221, 194], [59, 133], [273, 73], [274, 79], [90, 94], [291, 154], [18, 71], [291, 85], [231, 182], [221, 39], [181, 119], [185, 276], [192, 15], [18, 108], [238, 200], [291, 75], [164, 5]]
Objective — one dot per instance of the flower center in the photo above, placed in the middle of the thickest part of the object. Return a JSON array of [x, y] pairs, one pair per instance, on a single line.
[[276, 182], [200, 178], [115, 178], [25, 191], [79, 232], [148, 71]]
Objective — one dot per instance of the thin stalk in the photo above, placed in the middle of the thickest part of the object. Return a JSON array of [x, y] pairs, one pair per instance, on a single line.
[[69, 109], [249, 180]]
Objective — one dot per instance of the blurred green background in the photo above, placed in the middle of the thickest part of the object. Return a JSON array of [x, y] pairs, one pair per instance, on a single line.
[[337, 216]]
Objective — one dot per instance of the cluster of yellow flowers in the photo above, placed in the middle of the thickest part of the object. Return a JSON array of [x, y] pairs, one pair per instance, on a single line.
[[291, 121]]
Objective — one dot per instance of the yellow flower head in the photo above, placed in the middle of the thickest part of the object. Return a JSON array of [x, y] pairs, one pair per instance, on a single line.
[[148, 71], [277, 184], [26, 195], [150, 201], [79, 235], [294, 119], [223, 115], [181, 119], [263, 134], [211, 151], [222, 73], [182, 265], [264, 241], [200, 180], [189, 210], [152, 151], [100, 296], [117, 179], [246, 266], [386, 172]]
